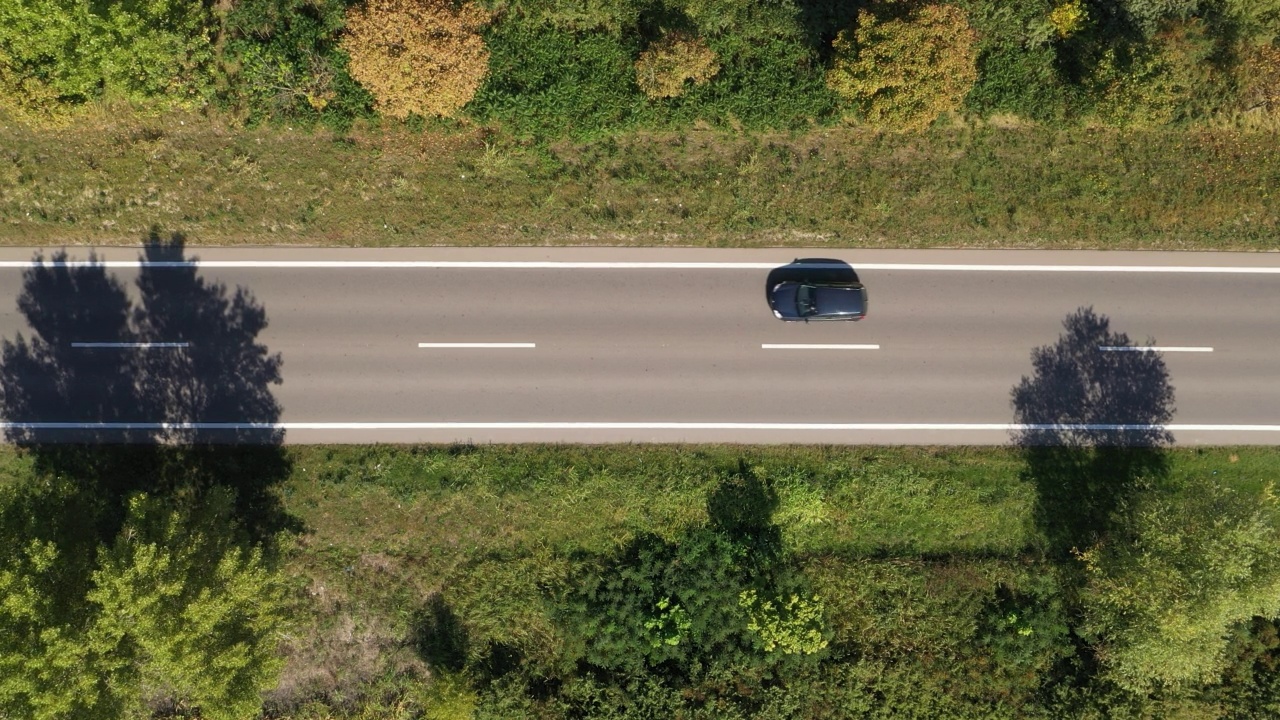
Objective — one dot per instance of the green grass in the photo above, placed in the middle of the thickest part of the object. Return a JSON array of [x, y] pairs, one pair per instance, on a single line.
[[909, 547], [900, 539], [106, 179]]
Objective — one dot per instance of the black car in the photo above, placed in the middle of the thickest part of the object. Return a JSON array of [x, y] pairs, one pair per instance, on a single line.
[[818, 300]]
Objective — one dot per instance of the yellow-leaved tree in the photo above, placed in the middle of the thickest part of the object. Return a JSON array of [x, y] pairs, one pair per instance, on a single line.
[[417, 56], [903, 68]]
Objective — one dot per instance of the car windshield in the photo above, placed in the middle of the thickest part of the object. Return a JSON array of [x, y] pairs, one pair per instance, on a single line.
[[805, 304]]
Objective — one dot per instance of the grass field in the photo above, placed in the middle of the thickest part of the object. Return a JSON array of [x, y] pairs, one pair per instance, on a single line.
[[441, 581], [107, 179], [908, 544]]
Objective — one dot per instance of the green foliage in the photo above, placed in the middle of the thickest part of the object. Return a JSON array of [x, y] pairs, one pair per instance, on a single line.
[[664, 603], [615, 17], [1149, 15], [176, 609], [902, 71], [792, 625], [72, 51], [281, 59], [1026, 630], [1069, 18], [770, 76], [1164, 591], [1018, 63], [196, 611], [1257, 21], [52, 665], [1176, 77], [546, 83]]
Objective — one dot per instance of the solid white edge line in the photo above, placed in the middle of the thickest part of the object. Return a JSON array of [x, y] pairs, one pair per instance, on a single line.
[[555, 265], [475, 345], [129, 345], [1152, 348], [784, 346], [621, 426]]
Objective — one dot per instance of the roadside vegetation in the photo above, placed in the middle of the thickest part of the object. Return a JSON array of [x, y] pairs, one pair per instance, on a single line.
[[632, 581], [1069, 577], [1080, 123]]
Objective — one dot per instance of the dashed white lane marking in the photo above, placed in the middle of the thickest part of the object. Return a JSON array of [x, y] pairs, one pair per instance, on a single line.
[[1152, 348], [556, 265], [476, 345], [1009, 427], [783, 346], [143, 345]]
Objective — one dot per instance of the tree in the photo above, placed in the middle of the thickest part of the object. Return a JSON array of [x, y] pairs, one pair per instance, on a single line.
[[195, 609], [905, 69], [50, 665], [1183, 568], [74, 51], [418, 56], [180, 607]]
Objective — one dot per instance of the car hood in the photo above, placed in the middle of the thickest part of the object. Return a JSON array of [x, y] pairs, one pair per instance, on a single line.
[[783, 300]]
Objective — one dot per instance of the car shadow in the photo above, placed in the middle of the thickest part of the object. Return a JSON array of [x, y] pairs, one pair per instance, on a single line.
[[810, 270]]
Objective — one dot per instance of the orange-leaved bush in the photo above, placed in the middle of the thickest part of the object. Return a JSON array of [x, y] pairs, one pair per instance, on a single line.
[[417, 56], [669, 66], [903, 70]]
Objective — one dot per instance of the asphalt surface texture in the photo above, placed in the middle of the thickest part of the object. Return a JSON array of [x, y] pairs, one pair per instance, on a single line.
[[634, 345]]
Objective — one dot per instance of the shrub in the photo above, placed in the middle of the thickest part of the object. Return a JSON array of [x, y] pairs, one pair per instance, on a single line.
[[1176, 77], [55, 52], [547, 83], [1149, 15], [1069, 18], [1257, 21], [903, 72], [1018, 64], [770, 75], [282, 59], [1165, 591], [670, 65], [1260, 76], [614, 17], [418, 56]]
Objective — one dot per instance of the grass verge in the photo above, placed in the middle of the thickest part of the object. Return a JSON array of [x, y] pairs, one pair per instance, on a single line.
[[909, 545], [437, 582], [105, 180]]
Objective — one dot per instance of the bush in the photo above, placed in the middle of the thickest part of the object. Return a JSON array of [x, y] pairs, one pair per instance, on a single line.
[[1174, 78], [903, 72], [424, 57], [1257, 21], [1259, 74], [1018, 66], [282, 60], [1164, 592], [670, 65], [1150, 15], [547, 83], [60, 52], [770, 75], [179, 610]]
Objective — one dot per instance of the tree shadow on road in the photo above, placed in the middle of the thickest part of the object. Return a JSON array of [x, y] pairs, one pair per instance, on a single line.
[[139, 412], [1092, 427]]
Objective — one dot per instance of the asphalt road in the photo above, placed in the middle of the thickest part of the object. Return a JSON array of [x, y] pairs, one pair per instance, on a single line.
[[665, 352]]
